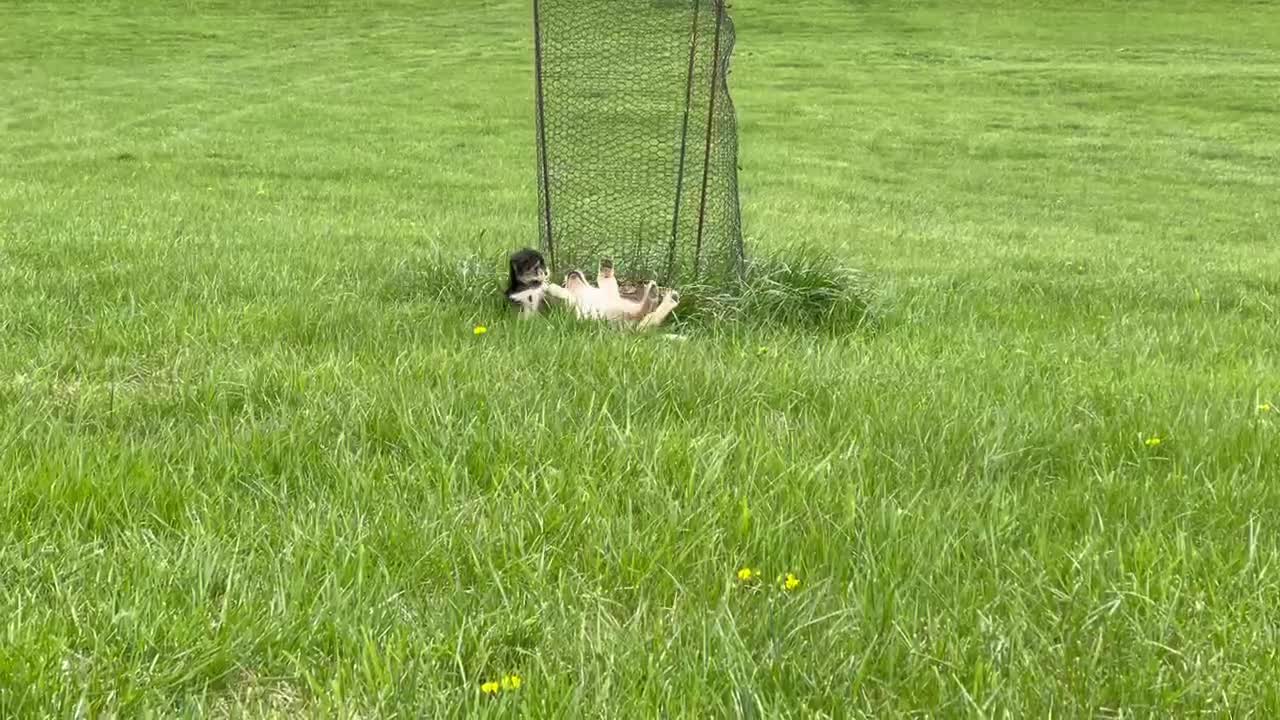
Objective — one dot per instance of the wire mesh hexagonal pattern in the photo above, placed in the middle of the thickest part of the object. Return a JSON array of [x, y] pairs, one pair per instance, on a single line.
[[637, 138]]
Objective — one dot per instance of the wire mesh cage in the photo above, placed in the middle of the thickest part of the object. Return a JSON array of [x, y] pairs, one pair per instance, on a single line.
[[637, 138]]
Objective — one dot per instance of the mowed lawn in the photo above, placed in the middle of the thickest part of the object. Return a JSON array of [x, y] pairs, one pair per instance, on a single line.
[[254, 461]]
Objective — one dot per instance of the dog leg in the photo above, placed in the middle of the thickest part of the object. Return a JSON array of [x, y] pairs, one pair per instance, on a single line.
[[559, 293], [635, 310], [536, 298], [571, 296], [607, 281], [650, 301], [529, 301], [526, 299], [656, 318]]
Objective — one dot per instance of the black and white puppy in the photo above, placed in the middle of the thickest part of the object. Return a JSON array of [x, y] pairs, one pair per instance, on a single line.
[[528, 284]]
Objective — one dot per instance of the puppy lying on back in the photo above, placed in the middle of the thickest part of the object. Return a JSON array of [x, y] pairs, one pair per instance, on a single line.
[[604, 300], [529, 288]]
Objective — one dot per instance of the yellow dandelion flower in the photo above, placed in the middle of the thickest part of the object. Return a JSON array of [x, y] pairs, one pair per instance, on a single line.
[[1154, 441], [1265, 407], [480, 330], [512, 682], [746, 574], [791, 583], [489, 688]]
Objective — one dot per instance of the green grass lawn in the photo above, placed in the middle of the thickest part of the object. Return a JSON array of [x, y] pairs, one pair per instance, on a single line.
[[254, 462]]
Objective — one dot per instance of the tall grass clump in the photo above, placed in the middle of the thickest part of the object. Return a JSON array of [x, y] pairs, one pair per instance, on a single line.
[[798, 287]]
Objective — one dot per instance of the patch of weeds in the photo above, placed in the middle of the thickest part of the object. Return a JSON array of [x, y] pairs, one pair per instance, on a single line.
[[797, 287], [450, 279]]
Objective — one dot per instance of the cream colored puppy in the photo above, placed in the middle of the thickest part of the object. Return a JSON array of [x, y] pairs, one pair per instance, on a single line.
[[604, 300]]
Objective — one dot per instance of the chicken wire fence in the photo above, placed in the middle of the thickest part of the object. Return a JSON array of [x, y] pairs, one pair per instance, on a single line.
[[637, 138]]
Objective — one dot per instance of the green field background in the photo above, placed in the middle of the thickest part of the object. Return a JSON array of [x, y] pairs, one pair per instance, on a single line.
[[254, 461]]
